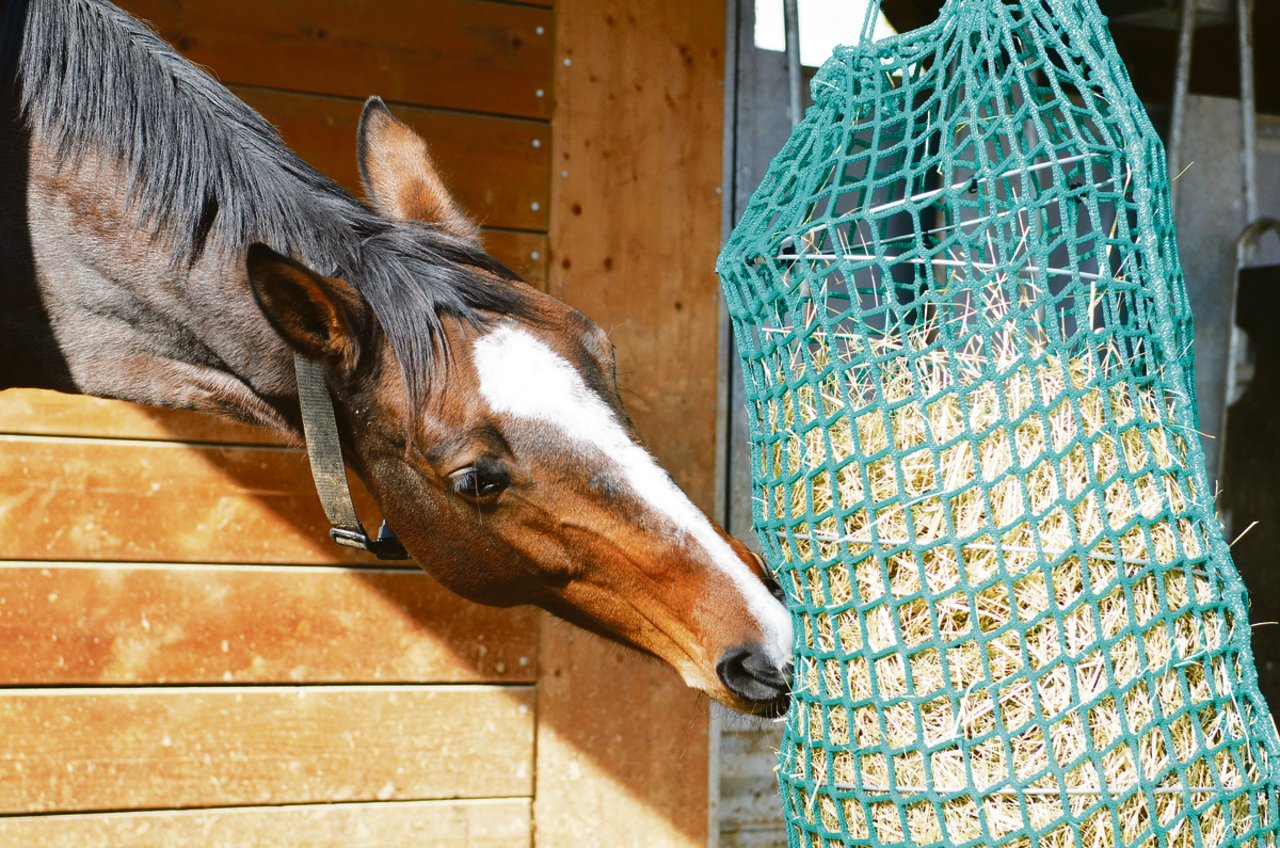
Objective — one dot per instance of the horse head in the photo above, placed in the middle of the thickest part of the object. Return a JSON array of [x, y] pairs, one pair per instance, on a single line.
[[507, 463]]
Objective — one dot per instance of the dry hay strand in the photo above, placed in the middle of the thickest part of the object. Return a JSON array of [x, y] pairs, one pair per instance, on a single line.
[[1012, 619]]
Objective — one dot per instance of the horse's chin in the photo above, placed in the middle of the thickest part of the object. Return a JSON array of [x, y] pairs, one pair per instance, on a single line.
[[773, 708]]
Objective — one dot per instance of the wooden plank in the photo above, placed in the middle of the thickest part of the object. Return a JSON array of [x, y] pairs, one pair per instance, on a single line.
[[636, 223], [95, 500], [524, 253], [497, 823], [38, 412], [83, 750], [457, 54], [120, 624], [635, 226], [620, 740], [496, 168]]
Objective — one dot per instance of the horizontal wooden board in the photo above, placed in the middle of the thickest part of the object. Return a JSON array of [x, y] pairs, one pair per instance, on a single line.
[[80, 750], [458, 54], [94, 500], [497, 823], [52, 413], [119, 624], [524, 253], [496, 168]]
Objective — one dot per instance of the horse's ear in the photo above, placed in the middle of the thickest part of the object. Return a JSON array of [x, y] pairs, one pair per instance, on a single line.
[[321, 317], [399, 177]]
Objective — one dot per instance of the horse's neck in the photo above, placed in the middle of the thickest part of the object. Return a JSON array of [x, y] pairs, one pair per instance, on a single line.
[[103, 310]]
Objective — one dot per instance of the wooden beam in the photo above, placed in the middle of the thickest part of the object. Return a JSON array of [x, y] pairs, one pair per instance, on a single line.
[[453, 54], [37, 412], [524, 253], [94, 499], [498, 823], [78, 750], [622, 747], [121, 624], [636, 223], [635, 227], [496, 168]]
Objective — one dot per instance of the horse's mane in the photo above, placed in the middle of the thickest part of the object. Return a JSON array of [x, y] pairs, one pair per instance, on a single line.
[[206, 172]]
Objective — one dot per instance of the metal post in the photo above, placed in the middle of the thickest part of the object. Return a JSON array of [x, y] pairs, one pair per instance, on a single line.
[[1248, 111], [791, 23], [1181, 84]]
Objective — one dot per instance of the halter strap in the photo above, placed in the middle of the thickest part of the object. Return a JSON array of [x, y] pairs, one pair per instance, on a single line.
[[324, 450]]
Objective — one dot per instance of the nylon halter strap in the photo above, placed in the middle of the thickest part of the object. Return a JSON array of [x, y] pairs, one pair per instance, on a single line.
[[324, 450]]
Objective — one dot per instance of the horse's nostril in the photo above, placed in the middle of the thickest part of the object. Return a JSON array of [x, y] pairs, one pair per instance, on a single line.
[[749, 673]]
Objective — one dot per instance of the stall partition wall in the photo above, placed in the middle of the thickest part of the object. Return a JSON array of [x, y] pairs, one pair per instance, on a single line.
[[189, 661]]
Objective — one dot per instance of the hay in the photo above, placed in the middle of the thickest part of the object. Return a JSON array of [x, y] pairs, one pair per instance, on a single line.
[[1010, 617]]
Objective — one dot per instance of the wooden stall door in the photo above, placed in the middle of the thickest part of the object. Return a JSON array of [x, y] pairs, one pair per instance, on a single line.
[[187, 660]]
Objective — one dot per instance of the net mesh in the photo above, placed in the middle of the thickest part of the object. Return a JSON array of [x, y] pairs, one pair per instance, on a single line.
[[967, 355]]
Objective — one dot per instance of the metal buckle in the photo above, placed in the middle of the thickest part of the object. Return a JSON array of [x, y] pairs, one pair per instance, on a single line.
[[386, 546]]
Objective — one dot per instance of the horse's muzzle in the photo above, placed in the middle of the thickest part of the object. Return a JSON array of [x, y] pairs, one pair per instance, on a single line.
[[748, 673]]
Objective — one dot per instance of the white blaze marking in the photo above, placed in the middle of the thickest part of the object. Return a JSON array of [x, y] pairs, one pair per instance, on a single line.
[[521, 376]]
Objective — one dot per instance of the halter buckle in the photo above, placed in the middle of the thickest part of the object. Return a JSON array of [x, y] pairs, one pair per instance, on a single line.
[[386, 546]]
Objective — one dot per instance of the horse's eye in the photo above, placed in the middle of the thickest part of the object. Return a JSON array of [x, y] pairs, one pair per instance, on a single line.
[[480, 483]]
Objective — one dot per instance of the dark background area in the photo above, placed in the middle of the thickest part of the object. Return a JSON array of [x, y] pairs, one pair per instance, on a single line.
[[1151, 52]]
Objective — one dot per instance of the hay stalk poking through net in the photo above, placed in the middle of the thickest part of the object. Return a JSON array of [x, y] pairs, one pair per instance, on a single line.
[[1019, 470], [966, 353]]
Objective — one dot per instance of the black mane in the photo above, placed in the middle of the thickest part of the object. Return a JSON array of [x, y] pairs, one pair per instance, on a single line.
[[206, 172]]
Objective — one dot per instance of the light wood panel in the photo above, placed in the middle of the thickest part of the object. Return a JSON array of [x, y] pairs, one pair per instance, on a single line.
[[636, 223], [120, 624], [620, 740], [78, 750], [498, 823], [458, 54], [496, 168], [38, 412], [91, 480], [635, 230], [73, 499]]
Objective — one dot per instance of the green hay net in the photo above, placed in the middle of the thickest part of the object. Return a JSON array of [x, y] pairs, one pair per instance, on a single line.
[[967, 354]]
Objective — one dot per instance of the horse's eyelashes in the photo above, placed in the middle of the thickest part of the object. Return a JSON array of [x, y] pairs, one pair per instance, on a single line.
[[481, 482]]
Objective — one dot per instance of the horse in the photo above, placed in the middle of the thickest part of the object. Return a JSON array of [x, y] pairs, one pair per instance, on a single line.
[[162, 245]]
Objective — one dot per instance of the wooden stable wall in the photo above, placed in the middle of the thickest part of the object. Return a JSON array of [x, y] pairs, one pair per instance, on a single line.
[[635, 229], [187, 661]]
